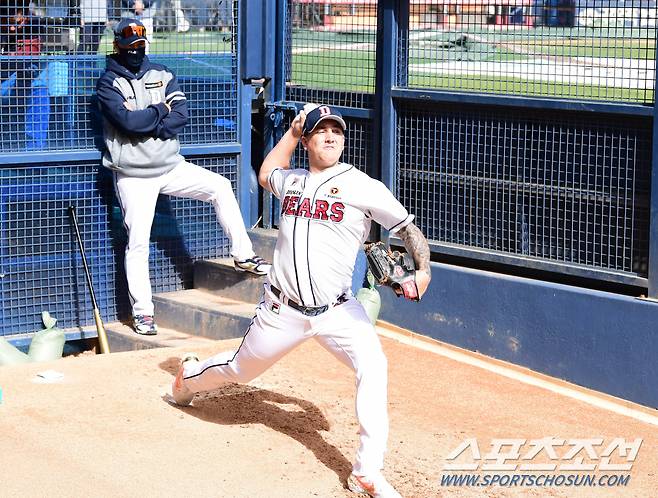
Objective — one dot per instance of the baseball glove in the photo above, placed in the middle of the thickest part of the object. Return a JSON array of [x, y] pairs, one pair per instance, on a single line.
[[393, 269]]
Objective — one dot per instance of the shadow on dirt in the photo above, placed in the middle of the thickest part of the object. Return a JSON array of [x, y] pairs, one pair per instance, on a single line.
[[237, 404]]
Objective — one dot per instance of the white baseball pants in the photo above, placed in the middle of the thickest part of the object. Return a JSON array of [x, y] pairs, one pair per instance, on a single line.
[[137, 198], [344, 330]]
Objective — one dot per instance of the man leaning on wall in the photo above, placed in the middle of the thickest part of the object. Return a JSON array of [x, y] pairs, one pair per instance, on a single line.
[[144, 110]]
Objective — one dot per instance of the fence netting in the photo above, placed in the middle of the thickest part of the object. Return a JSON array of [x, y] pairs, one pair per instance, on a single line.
[[51, 54], [330, 53], [583, 49], [40, 264], [571, 190], [540, 185], [53, 51]]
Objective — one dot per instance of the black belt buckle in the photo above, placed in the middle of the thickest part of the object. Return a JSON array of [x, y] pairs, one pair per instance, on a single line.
[[304, 310], [312, 311]]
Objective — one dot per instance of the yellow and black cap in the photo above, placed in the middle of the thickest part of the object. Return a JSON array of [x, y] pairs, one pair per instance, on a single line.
[[128, 32]]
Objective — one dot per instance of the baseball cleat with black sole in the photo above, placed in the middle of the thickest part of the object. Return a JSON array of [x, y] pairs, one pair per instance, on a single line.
[[256, 265]]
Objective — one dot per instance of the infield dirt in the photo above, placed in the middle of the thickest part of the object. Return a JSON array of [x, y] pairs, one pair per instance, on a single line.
[[105, 429]]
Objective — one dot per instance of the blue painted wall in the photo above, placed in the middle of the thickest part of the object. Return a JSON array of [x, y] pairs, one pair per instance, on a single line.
[[599, 340]]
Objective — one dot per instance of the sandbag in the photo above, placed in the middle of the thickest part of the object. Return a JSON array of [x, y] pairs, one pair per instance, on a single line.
[[9, 355], [47, 345], [371, 301]]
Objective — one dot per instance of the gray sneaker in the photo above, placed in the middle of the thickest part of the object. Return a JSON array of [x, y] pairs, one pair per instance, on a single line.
[[145, 325], [255, 265]]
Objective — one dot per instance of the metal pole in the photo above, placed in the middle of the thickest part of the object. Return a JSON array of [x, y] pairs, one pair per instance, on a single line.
[[389, 14], [653, 213]]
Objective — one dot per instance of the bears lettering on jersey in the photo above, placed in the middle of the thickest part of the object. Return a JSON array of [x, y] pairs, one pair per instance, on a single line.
[[289, 205], [304, 209], [337, 211], [320, 210]]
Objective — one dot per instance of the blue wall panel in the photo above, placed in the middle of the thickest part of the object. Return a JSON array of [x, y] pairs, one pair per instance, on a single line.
[[596, 339], [40, 265]]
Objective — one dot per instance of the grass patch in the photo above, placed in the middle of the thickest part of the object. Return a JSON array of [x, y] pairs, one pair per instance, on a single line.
[[335, 70], [173, 43], [519, 86], [319, 62]]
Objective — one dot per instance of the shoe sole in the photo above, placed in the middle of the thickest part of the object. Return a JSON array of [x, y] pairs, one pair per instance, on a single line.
[[355, 487], [178, 385], [359, 492], [148, 332], [178, 381], [253, 272]]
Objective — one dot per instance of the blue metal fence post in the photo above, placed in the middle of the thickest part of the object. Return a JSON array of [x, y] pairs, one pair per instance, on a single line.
[[389, 16], [653, 216], [283, 39], [256, 61], [275, 91], [248, 199]]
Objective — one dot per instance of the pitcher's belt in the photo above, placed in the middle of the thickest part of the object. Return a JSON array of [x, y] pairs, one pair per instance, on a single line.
[[305, 310]]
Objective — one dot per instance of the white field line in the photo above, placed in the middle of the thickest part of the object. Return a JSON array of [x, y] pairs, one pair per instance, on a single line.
[[365, 46], [207, 64], [623, 74], [581, 394], [610, 62], [334, 48]]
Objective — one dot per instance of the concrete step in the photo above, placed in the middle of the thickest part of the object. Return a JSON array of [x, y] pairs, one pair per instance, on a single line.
[[264, 241], [218, 276], [122, 337], [200, 313]]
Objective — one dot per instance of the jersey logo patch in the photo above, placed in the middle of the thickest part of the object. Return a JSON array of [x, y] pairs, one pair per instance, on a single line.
[[334, 190], [155, 84], [276, 307]]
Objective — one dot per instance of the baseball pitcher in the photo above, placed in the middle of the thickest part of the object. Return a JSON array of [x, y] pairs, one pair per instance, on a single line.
[[326, 213]]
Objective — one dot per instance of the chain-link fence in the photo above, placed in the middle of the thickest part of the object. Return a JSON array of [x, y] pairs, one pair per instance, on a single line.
[[52, 53], [555, 48], [544, 186]]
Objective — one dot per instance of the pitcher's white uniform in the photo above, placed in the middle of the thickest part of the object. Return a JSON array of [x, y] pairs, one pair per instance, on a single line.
[[325, 218]]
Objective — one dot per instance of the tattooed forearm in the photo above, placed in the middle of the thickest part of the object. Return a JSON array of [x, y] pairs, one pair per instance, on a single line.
[[416, 245]]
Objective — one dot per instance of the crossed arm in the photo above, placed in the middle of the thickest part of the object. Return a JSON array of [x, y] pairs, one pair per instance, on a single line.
[[163, 120]]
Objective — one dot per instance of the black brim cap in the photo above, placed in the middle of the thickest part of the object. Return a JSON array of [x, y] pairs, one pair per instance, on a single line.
[[318, 115]]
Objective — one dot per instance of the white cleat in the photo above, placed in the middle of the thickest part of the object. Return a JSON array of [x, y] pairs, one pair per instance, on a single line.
[[375, 486], [255, 265], [181, 394]]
